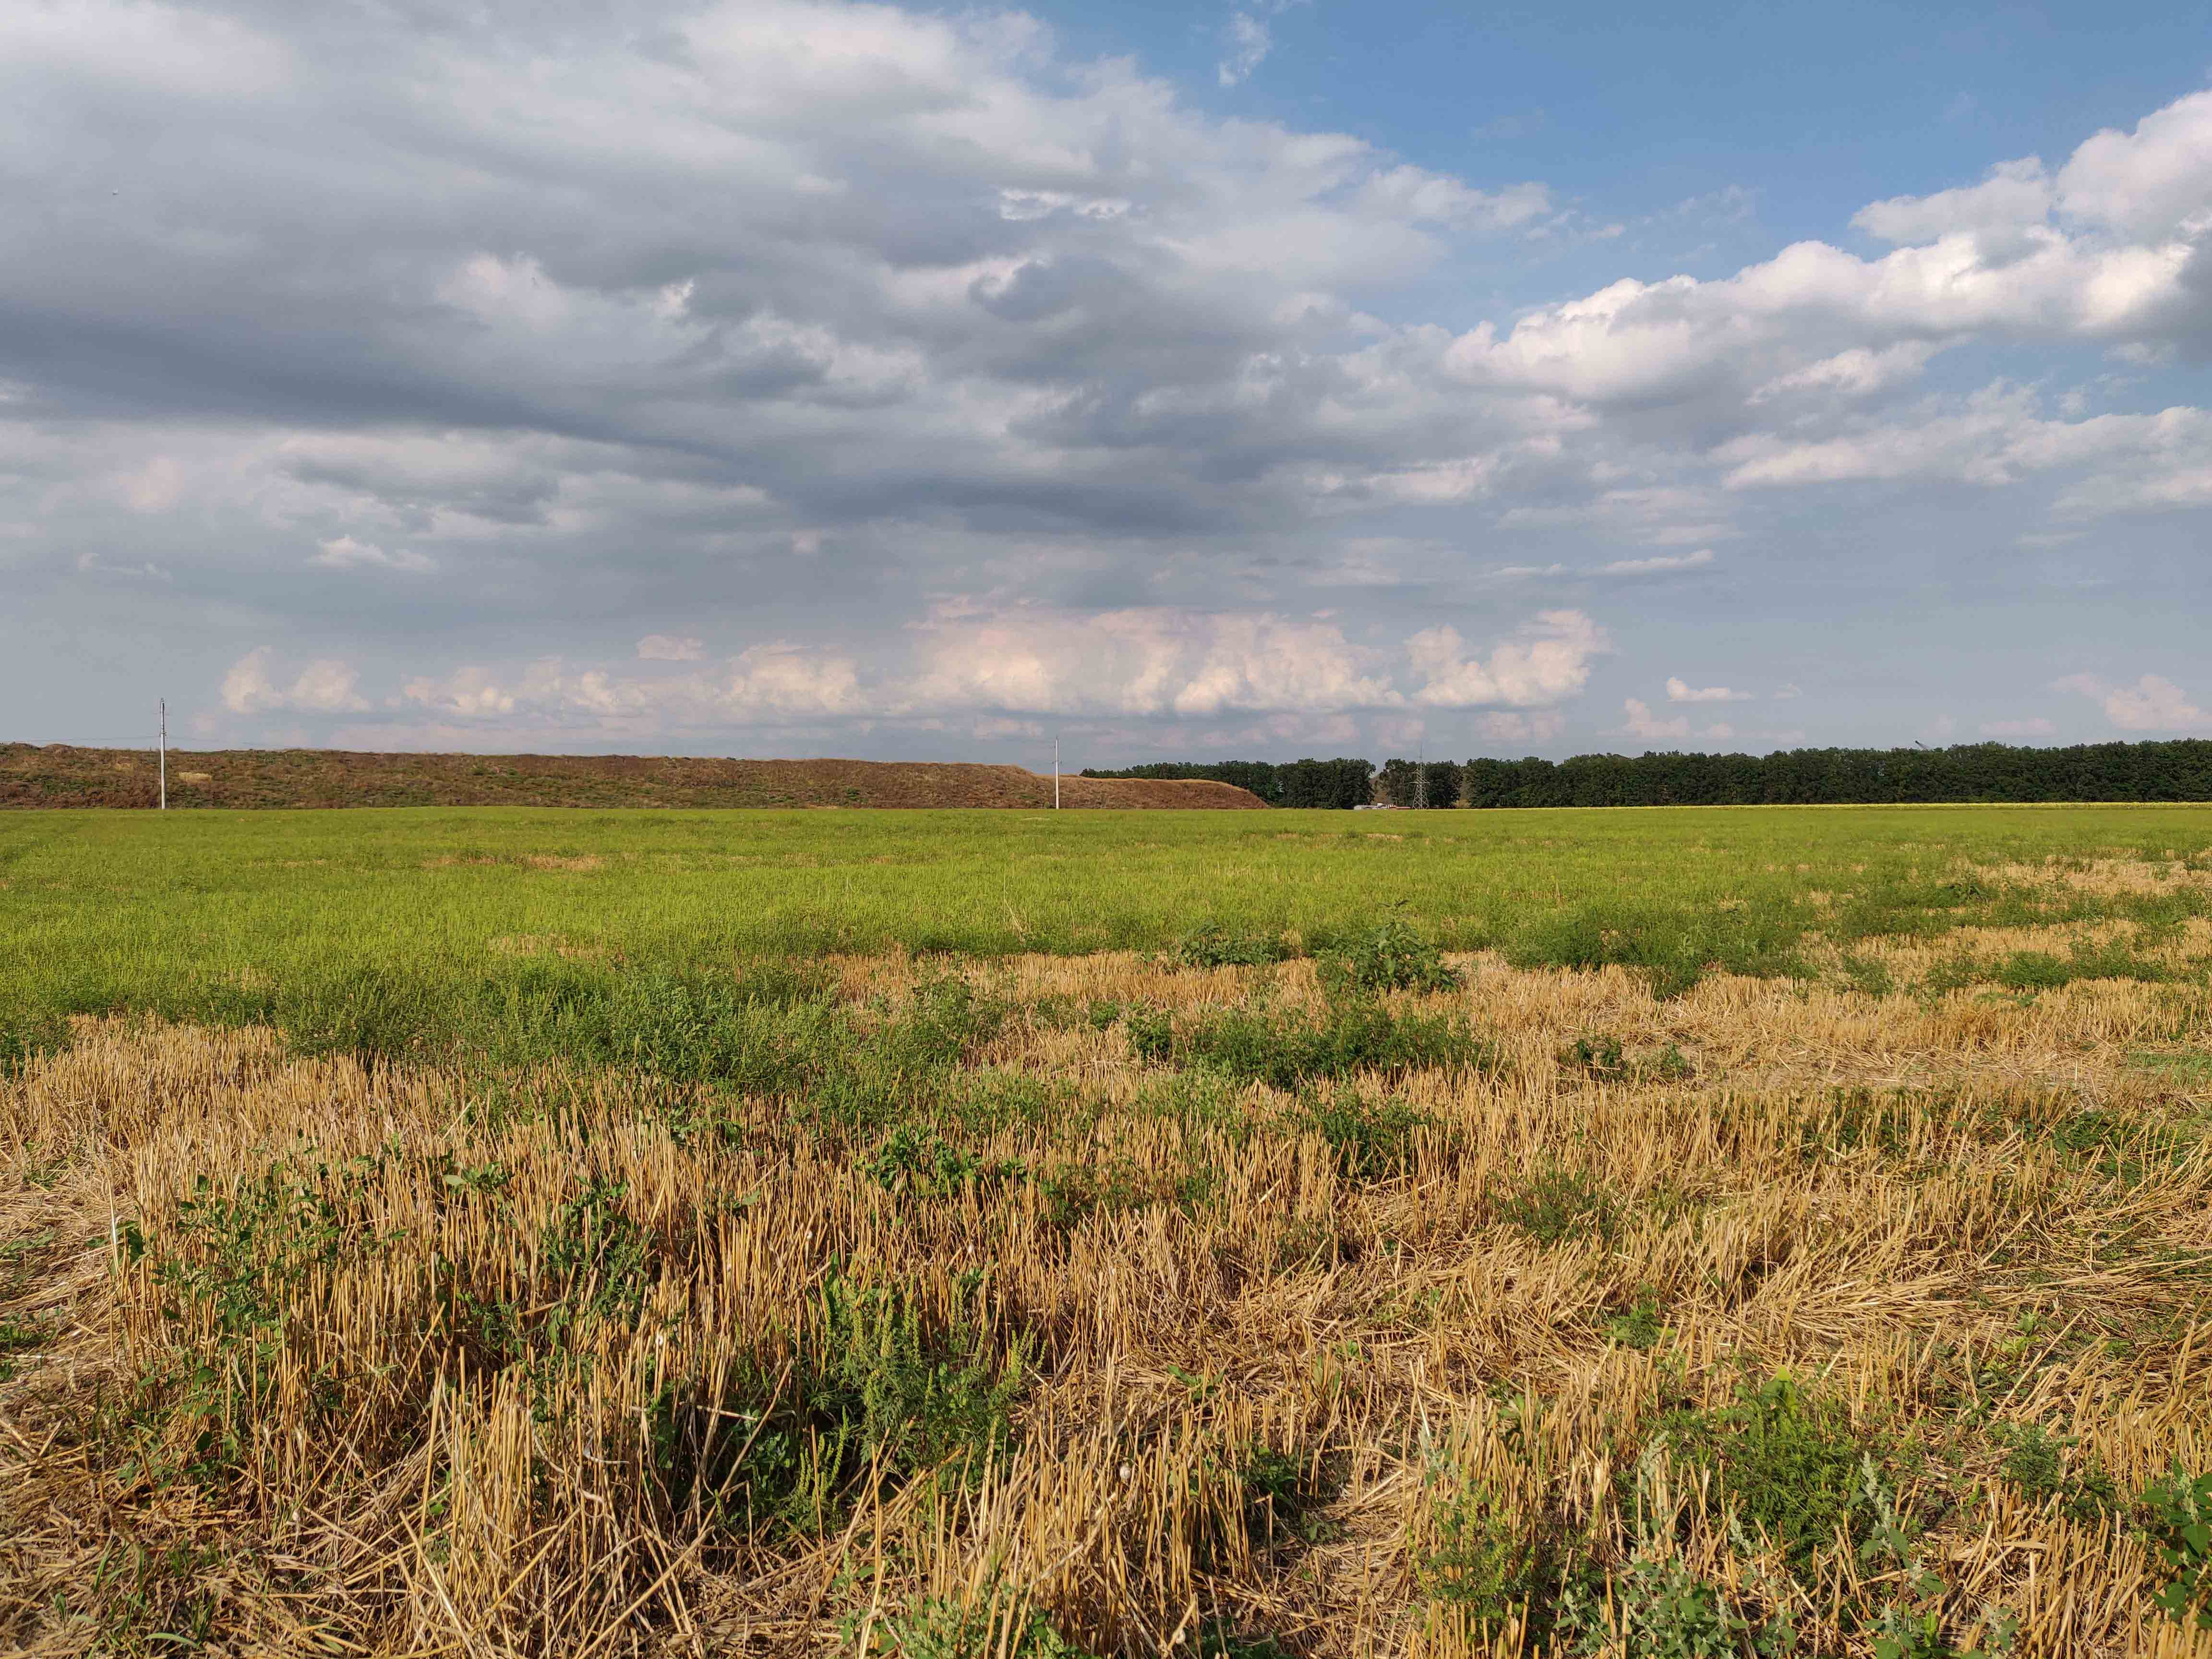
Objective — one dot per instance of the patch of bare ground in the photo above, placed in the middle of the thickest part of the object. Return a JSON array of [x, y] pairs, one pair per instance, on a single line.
[[419, 1360]]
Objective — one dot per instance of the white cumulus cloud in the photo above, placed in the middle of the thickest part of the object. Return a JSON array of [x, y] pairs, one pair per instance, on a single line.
[[2153, 703], [1548, 662], [324, 687], [1680, 690]]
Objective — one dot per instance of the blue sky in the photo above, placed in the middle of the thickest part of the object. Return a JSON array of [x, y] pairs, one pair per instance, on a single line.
[[789, 377]]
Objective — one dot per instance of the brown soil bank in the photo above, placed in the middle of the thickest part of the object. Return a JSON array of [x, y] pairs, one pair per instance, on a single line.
[[61, 775]]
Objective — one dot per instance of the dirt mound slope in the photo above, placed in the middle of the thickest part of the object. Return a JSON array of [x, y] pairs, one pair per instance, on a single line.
[[59, 774]]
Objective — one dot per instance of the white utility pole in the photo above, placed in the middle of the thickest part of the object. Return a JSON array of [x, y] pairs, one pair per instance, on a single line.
[[1055, 774], [165, 754]]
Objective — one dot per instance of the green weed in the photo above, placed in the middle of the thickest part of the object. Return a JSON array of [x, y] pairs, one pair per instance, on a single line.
[[1642, 1326], [2177, 1523], [1212, 944], [1787, 1464], [2046, 1467], [1369, 1138], [1480, 1562], [1391, 956], [1556, 1206], [931, 1627], [1284, 1051]]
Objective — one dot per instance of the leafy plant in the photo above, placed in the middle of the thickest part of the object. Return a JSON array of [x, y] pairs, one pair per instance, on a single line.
[[933, 1627], [1257, 1046], [911, 1159], [1642, 1326], [1594, 1056], [1275, 1490], [1212, 945], [602, 1260], [1788, 1462], [1391, 955], [1662, 1610], [1557, 1205], [1480, 1562], [2044, 1466], [2177, 1523], [1369, 1138]]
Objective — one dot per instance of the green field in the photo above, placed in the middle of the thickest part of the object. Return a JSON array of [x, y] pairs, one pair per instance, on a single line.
[[112, 911], [1633, 1234]]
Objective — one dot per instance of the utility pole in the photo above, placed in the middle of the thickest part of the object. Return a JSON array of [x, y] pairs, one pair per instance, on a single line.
[[1421, 776], [165, 754], [1056, 772]]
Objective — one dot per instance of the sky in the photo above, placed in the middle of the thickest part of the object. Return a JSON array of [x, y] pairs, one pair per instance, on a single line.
[[1178, 381]]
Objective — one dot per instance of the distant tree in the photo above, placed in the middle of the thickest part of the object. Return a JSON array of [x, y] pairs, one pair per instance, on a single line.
[[1441, 784], [2163, 771], [1397, 783]]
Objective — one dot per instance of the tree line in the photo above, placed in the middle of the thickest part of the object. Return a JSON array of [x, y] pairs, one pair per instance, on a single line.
[[2162, 771]]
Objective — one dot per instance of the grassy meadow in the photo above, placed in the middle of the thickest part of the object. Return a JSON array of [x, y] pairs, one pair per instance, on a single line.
[[1662, 1234]]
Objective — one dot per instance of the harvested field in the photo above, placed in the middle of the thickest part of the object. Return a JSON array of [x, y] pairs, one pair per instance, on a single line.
[[59, 775], [1254, 1290]]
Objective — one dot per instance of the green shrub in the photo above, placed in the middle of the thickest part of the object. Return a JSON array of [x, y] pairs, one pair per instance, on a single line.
[[2034, 970], [1557, 1205], [603, 1260], [1275, 1490], [2037, 1462], [911, 1159], [1210, 944], [1788, 1463], [931, 1627], [1256, 1046], [1594, 1056], [1642, 1326], [2177, 1523], [869, 1387], [1220, 1639], [1481, 1563], [1391, 955], [1369, 1138], [1663, 1611]]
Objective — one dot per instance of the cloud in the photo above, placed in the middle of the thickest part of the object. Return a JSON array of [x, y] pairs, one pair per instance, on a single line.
[[1169, 664], [2099, 253], [1248, 43], [2015, 194], [320, 688], [973, 658], [872, 306], [1680, 690], [1520, 728], [2151, 704], [2037, 727], [1994, 439], [1658, 563], [1641, 722], [344, 553], [1549, 662]]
